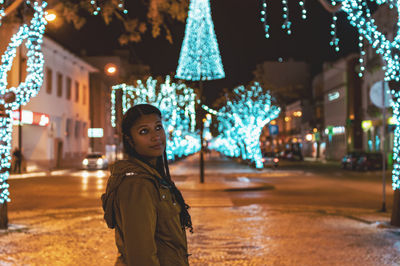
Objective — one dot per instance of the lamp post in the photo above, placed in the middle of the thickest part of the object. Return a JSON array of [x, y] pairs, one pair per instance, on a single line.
[[200, 58]]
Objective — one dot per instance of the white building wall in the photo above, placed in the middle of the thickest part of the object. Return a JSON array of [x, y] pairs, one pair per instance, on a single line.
[[335, 107], [334, 80], [69, 118]]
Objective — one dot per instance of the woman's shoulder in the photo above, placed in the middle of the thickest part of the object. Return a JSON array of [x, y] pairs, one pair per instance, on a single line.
[[122, 167], [130, 171]]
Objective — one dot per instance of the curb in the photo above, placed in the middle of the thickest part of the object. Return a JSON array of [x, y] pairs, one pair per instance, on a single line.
[[14, 228], [258, 188]]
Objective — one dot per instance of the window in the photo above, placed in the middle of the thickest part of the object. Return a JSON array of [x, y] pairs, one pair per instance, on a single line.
[[84, 94], [49, 80], [76, 91], [68, 127], [84, 130], [69, 88], [77, 129], [59, 84]]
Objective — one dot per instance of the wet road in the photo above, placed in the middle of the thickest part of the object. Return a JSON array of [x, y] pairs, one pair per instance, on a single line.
[[314, 215], [325, 185]]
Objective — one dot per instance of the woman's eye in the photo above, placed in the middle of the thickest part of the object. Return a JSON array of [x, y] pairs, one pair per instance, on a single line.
[[159, 127], [143, 131]]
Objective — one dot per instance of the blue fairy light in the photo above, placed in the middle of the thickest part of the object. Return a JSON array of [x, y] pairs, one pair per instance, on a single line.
[[199, 57], [286, 23], [240, 123], [264, 18], [303, 9], [359, 16], [335, 40], [32, 34], [96, 9], [177, 105]]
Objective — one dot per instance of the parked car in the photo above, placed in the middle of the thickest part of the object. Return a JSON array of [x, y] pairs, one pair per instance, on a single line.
[[95, 161], [291, 155], [349, 161], [370, 161], [270, 159]]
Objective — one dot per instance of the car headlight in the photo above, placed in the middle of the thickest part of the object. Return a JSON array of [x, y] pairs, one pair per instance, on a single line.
[[85, 162], [99, 161]]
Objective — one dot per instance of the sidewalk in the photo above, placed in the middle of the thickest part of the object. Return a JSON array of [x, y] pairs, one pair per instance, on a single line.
[[218, 175]]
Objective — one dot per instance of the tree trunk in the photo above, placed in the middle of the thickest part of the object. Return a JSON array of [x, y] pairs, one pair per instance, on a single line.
[[3, 216], [395, 220]]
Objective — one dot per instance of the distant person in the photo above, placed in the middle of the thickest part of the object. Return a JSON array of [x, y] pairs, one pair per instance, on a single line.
[[17, 156], [142, 203]]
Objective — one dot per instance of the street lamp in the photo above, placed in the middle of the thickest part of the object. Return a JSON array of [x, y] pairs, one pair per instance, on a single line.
[[110, 69], [51, 16]]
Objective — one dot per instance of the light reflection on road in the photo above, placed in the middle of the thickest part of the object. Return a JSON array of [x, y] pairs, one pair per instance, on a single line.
[[86, 176]]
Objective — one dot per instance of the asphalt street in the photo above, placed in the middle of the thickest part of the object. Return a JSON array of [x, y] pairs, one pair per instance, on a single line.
[[303, 213]]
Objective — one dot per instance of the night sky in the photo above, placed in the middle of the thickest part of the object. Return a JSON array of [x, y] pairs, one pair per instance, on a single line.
[[240, 35]]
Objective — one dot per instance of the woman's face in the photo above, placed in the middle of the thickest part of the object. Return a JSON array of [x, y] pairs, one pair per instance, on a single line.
[[148, 136]]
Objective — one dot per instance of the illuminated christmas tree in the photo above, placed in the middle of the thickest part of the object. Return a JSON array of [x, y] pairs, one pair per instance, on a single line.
[[11, 98], [200, 58], [241, 121], [177, 105]]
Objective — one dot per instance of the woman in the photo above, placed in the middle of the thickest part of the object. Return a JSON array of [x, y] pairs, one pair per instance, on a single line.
[[141, 201]]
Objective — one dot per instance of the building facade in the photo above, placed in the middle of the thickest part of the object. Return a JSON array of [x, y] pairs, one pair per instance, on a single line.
[[51, 130], [342, 101]]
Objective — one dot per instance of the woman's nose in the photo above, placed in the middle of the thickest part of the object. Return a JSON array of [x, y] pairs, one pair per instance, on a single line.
[[156, 135]]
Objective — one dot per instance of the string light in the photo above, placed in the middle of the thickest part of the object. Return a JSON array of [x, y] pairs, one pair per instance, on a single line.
[[2, 12], [241, 122], [286, 24], [264, 18], [362, 55], [200, 58], [303, 9], [359, 16], [96, 9], [177, 105], [335, 40], [33, 35]]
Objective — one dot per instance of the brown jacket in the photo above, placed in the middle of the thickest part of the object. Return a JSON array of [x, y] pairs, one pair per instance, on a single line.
[[145, 216]]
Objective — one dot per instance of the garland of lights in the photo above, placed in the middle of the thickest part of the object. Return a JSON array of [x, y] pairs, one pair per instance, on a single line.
[[97, 9], [200, 58], [33, 35], [287, 23], [303, 9], [241, 122], [2, 10], [177, 105], [264, 18], [335, 40], [361, 60], [359, 16]]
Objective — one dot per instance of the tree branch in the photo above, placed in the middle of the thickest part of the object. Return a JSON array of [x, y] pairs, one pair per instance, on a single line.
[[330, 8], [12, 7]]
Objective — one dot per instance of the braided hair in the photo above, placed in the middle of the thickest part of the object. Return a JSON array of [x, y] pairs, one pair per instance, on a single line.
[[162, 168]]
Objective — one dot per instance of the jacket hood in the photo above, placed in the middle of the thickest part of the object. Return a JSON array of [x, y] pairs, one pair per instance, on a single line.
[[120, 170]]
